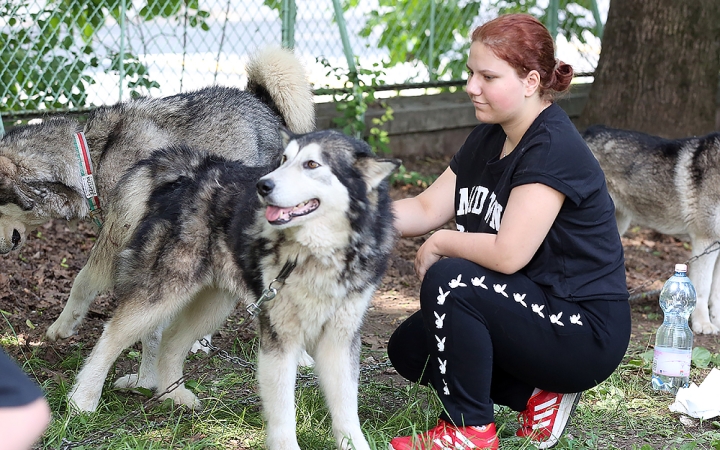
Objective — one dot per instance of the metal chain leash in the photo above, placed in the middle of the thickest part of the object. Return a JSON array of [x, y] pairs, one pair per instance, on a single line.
[[635, 295]]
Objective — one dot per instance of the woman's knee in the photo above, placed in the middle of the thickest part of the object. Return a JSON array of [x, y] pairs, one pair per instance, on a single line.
[[407, 349]]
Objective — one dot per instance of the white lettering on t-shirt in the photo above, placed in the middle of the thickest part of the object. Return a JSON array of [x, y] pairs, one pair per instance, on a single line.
[[473, 200], [473, 203], [494, 213]]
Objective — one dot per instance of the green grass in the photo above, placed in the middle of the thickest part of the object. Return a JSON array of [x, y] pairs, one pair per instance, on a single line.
[[621, 413]]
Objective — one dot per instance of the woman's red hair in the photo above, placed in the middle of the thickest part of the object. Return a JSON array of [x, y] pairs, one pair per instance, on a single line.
[[523, 42]]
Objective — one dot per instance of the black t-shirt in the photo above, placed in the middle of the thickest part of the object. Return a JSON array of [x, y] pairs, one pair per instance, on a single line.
[[581, 258]]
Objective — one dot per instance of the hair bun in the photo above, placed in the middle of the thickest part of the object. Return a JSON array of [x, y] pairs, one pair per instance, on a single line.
[[562, 76]]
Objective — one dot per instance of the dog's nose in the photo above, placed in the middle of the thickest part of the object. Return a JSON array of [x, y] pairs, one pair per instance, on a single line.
[[15, 238], [264, 187]]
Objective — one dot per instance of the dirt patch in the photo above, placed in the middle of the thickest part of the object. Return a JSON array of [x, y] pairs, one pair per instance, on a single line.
[[34, 286]]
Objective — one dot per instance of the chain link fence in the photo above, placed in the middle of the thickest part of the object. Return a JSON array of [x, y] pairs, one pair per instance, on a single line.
[[71, 55]]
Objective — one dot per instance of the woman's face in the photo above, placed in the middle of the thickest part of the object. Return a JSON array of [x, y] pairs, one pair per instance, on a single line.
[[496, 90]]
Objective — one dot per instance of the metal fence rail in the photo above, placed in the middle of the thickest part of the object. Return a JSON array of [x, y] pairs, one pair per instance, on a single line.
[[71, 55]]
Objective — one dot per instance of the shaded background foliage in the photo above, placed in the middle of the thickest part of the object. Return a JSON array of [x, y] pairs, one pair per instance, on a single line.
[[53, 50]]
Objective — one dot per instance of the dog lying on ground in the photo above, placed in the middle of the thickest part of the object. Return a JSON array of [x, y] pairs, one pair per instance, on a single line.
[[41, 179], [671, 186], [212, 231]]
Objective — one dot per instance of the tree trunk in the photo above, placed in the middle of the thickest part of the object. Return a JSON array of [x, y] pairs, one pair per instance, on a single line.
[[659, 68]]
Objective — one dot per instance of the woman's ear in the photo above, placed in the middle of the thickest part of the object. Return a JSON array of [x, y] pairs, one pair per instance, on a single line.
[[532, 83]]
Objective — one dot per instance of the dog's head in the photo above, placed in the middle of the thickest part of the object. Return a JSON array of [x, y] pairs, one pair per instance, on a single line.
[[16, 208], [34, 180], [326, 178]]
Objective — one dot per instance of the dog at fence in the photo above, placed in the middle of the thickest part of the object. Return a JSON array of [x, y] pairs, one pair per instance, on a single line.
[[212, 231], [671, 186]]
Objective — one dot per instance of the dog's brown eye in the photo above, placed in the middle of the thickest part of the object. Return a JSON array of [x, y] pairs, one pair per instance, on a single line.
[[311, 165], [283, 159]]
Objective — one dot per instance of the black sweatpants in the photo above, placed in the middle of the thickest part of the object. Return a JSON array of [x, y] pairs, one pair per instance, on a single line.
[[483, 337]]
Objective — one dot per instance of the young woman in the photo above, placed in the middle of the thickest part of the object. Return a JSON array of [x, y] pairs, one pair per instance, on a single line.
[[526, 304]]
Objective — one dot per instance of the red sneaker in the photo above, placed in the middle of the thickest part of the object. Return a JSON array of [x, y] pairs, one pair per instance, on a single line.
[[546, 416], [446, 436]]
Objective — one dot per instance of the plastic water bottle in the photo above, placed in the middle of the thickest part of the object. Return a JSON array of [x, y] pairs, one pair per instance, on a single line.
[[674, 339]]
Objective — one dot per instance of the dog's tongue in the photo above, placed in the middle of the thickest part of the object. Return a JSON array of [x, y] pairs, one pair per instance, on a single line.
[[275, 213]]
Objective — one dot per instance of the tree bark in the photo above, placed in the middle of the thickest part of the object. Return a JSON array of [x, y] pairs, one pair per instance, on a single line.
[[659, 68]]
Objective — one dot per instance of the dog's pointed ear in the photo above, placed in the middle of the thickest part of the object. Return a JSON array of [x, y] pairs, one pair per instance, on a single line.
[[375, 170], [286, 136]]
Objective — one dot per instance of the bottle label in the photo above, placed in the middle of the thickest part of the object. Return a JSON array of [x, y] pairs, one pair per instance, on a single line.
[[672, 362]]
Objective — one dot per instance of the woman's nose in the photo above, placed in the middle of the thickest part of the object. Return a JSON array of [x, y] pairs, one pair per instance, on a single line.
[[473, 86]]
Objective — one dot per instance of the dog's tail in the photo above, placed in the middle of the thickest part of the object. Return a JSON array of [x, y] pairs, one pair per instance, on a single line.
[[277, 77]]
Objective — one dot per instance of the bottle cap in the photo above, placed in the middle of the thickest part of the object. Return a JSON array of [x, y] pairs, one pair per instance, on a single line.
[[680, 267]]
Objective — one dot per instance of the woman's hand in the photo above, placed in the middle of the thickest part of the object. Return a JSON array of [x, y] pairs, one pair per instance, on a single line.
[[427, 254]]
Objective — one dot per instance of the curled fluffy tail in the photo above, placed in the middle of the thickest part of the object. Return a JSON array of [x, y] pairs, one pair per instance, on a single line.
[[277, 77]]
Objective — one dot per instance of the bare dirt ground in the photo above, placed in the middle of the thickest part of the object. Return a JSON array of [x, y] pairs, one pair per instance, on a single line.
[[35, 283]]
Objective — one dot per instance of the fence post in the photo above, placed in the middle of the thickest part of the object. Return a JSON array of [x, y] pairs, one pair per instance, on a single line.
[[2, 127], [552, 18], [289, 14], [598, 20], [431, 52], [353, 75], [121, 56]]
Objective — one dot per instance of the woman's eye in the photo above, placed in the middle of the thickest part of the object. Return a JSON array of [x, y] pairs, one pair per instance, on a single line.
[[311, 164]]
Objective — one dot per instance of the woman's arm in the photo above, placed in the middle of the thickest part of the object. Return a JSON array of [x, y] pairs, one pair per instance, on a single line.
[[529, 214], [431, 209]]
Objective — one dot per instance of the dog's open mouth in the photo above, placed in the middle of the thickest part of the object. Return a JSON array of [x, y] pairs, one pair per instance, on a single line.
[[279, 216]]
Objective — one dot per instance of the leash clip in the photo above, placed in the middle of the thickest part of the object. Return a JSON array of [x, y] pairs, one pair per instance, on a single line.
[[271, 291], [97, 216], [267, 295]]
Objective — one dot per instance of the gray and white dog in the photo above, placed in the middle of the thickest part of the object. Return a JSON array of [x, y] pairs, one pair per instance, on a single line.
[[40, 176], [671, 186], [212, 231]]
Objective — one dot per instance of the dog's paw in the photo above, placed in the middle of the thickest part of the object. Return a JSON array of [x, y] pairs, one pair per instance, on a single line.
[[704, 327], [198, 346], [183, 396], [61, 329], [281, 441], [134, 381], [305, 360], [82, 401]]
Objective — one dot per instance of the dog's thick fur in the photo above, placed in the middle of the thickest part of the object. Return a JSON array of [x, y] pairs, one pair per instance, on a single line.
[[210, 233], [40, 179], [673, 187]]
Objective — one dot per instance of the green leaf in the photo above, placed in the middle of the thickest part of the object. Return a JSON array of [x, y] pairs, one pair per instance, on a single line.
[[716, 360], [701, 357], [144, 391], [195, 386], [648, 356], [637, 363]]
